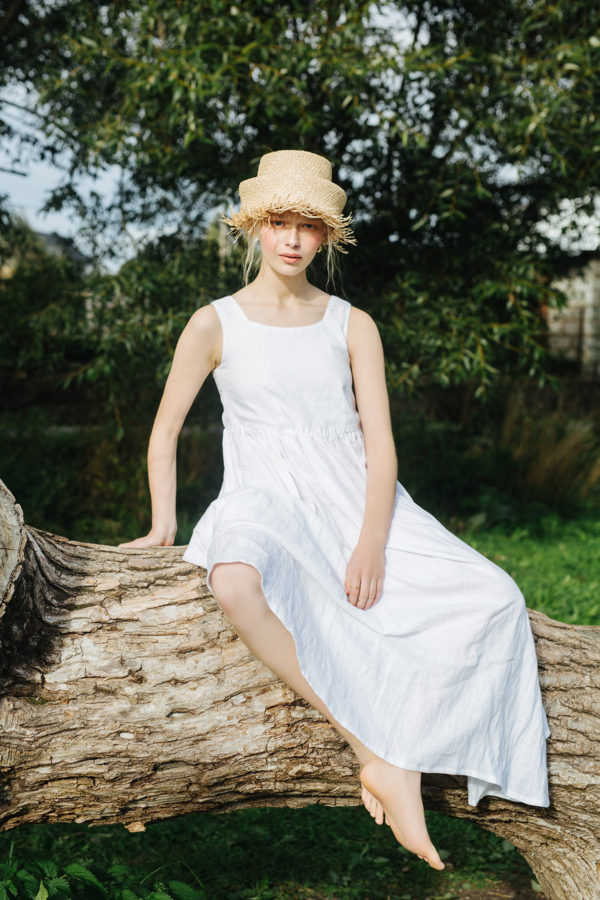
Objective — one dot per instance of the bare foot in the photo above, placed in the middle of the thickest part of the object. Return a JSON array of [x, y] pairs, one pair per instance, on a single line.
[[399, 794], [373, 805]]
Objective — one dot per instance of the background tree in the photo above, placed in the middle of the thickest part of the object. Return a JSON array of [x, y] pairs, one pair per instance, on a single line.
[[456, 127]]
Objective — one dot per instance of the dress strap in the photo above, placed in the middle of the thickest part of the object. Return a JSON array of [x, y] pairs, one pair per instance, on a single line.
[[230, 326], [224, 308], [339, 315]]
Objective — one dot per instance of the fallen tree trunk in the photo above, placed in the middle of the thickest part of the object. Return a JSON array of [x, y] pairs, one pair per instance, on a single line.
[[126, 696]]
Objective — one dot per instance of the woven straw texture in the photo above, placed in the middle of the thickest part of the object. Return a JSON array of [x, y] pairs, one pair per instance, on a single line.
[[293, 181]]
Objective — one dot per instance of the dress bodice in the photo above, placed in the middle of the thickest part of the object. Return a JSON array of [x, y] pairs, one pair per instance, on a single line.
[[296, 377]]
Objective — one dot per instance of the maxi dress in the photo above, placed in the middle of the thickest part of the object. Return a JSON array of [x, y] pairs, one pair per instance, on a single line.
[[440, 674]]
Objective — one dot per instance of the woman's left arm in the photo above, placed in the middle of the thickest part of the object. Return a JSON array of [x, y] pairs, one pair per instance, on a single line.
[[364, 573]]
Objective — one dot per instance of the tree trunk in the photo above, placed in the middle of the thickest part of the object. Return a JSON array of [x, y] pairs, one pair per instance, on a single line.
[[126, 696]]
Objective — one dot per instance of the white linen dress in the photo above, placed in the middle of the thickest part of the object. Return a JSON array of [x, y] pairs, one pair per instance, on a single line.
[[440, 674]]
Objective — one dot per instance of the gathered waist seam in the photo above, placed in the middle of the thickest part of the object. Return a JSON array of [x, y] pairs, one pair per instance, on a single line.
[[321, 432]]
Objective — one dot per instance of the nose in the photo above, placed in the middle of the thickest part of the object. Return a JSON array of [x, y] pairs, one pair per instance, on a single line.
[[292, 236]]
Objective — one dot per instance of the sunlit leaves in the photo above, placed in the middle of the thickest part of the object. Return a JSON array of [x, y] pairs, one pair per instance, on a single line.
[[457, 128]]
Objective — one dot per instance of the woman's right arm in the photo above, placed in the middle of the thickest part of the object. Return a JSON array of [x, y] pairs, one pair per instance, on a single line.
[[196, 355]]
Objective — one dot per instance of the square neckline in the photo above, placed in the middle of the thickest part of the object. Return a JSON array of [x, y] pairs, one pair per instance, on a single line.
[[284, 327]]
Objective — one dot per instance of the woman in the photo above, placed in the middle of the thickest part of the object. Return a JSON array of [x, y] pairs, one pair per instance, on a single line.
[[413, 645]]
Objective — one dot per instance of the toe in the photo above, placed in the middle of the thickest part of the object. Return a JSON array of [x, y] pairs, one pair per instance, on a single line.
[[434, 861]]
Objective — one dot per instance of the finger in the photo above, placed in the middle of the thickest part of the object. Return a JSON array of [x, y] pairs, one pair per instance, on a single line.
[[372, 596], [352, 589], [360, 596], [363, 599]]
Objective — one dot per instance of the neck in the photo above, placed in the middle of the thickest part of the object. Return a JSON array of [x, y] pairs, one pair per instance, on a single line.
[[282, 286]]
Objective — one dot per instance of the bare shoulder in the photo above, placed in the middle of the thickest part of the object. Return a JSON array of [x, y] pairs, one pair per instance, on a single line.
[[205, 318], [362, 331], [204, 324]]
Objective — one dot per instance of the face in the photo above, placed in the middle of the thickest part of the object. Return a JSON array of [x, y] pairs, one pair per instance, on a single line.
[[289, 242]]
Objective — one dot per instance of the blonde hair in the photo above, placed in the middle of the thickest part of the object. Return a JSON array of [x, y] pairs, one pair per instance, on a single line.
[[252, 254]]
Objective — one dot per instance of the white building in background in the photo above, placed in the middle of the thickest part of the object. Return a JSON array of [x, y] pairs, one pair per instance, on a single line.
[[575, 329]]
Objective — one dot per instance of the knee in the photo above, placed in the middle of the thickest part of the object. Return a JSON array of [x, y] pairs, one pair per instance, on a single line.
[[231, 584]]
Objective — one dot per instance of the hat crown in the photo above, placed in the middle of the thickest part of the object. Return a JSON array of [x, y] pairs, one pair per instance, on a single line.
[[294, 163]]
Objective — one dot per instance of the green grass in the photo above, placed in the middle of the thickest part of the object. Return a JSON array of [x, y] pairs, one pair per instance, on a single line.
[[556, 563]]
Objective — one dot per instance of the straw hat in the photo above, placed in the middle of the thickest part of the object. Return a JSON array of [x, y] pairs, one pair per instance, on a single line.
[[294, 181]]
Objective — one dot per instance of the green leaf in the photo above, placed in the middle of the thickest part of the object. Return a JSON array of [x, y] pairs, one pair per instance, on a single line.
[[420, 223], [185, 891], [42, 893], [119, 871], [59, 887], [48, 867], [76, 870]]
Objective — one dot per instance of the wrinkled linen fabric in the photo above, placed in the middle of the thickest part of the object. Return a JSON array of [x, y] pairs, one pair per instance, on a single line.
[[440, 675]]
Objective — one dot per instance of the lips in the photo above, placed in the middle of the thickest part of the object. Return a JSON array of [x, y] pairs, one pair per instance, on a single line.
[[289, 257]]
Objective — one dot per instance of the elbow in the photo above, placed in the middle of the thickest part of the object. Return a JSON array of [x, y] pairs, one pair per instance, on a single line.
[[382, 453], [165, 434]]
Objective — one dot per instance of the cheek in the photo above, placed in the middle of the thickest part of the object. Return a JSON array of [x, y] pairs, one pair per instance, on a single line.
[[268, 239], [315, 238]]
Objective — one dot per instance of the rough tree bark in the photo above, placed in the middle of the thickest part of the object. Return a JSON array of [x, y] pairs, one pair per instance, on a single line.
[[125, 696]]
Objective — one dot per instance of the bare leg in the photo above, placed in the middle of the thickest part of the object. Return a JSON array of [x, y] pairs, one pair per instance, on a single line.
[[391, 791]]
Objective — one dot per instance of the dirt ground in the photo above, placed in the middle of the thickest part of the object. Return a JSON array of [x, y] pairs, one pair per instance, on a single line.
[[506, 890], [511, 889]]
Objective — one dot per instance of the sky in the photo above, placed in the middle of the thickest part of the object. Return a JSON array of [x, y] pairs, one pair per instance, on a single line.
[[28, 192]]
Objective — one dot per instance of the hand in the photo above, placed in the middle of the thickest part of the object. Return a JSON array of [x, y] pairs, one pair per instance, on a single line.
[[364, 574], [153, 539]]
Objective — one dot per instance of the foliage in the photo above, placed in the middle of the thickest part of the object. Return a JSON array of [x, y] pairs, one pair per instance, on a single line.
[[535, 453], [222, 856], [79, 482], [41, 879], [434, 336], [531, 453], [558, 456], [110, 336], [39, 293], [457, 128]]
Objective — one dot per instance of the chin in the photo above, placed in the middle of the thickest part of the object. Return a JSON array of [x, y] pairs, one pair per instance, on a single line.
[[289, 269]]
